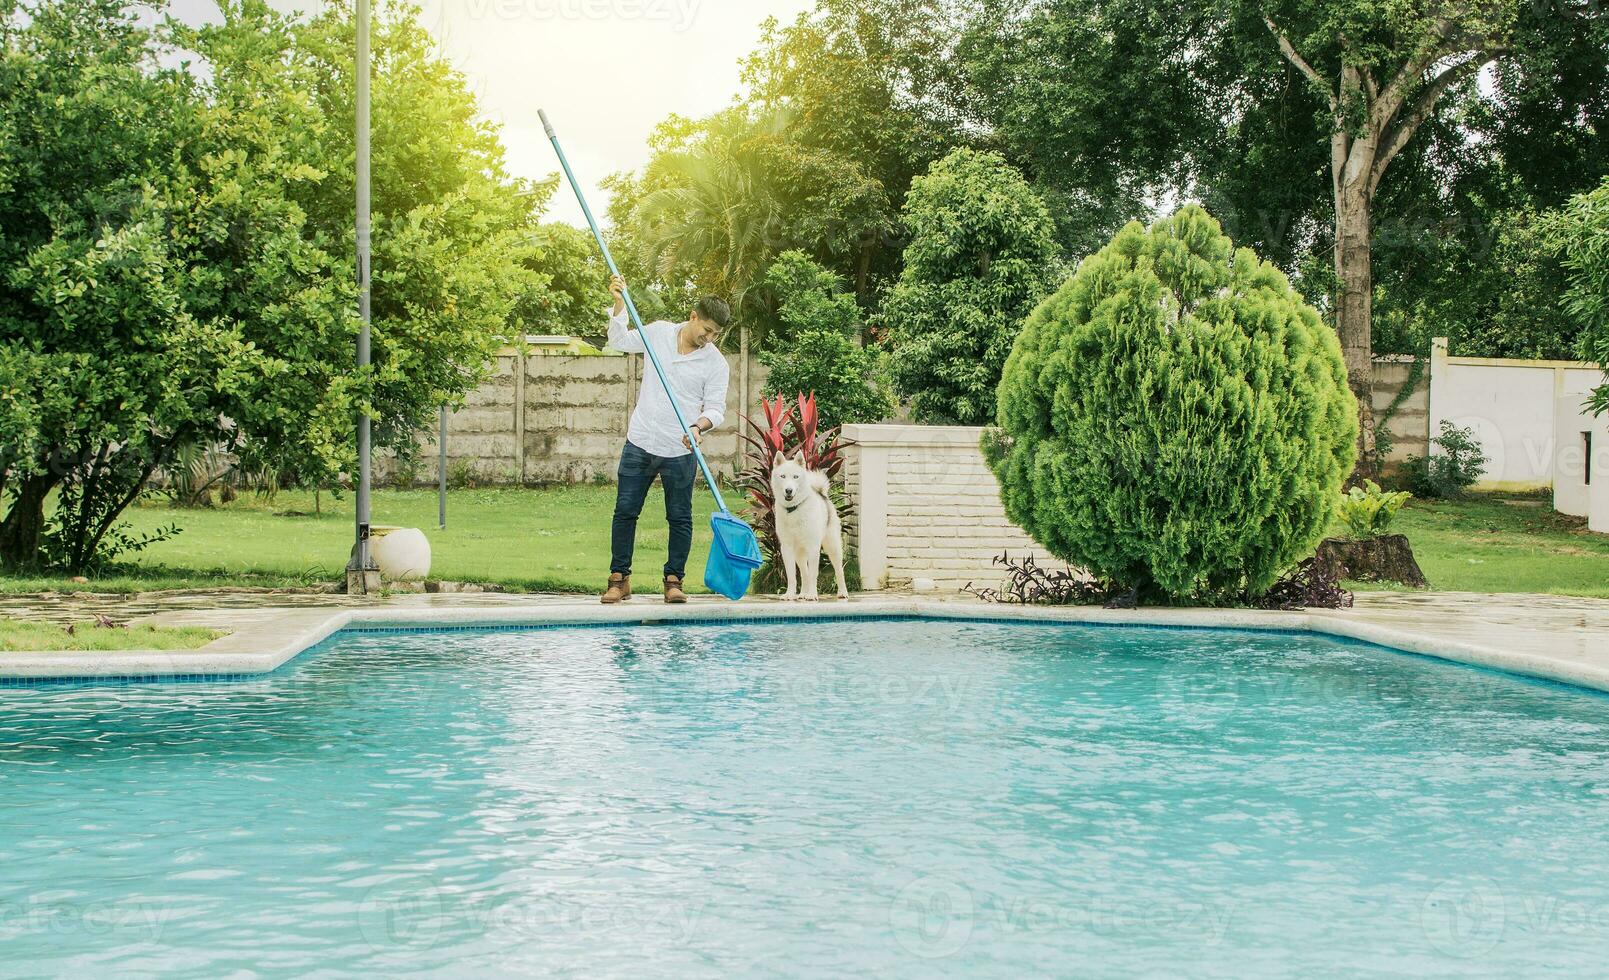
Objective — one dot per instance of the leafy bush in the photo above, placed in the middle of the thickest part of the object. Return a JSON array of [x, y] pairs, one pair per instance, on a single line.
[[845, 377], [1175, 418], [982, 253], [1367, 510], [1582, 237], [809, 297], [814, 350], [1446, 474]]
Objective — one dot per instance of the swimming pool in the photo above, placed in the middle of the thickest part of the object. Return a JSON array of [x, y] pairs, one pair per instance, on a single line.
[[912, 797]]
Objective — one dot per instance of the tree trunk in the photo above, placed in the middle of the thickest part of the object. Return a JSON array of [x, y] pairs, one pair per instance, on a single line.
[[863, 288], [1383, 559], [20, 531], [1354, 304]]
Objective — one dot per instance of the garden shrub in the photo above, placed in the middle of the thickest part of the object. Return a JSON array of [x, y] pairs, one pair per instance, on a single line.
[[1367, 510], [845, 377], [1175, 418], [809, 297], [1448, 473]]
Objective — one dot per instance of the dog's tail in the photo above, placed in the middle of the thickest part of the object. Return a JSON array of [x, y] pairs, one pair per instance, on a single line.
[[818, 482]]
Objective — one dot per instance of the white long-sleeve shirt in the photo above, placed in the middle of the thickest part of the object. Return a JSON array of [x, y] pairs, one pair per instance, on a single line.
[[699, 380]]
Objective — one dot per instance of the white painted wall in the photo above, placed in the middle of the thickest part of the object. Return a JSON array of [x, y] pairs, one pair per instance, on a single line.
[[1570, 460], [1513, 408], [1598, 491]]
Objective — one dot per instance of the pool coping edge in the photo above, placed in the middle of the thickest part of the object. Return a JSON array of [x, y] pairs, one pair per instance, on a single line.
[[264, 647]]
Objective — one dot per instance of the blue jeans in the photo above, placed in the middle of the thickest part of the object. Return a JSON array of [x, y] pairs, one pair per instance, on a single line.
[[637, 472]]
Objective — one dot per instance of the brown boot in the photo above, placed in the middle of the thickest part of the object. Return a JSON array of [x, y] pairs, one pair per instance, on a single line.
[[619, 588], [673, 589]]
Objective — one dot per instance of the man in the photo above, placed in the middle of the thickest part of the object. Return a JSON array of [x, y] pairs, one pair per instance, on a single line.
[[655, 443]]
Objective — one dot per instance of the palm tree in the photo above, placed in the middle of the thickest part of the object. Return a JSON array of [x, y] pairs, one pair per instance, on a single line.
[[714, 209]]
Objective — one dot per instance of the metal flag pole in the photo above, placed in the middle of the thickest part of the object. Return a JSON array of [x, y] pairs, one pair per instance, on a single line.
[[362, 563], [441, 471]]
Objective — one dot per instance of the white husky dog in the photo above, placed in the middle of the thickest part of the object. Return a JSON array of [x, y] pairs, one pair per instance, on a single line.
[[807, 525]]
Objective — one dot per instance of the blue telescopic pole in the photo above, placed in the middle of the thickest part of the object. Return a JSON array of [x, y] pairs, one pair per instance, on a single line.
[[632, 307]]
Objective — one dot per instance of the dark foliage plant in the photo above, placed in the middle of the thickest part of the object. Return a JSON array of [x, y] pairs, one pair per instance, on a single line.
[[1309, 585], [1027, 583]]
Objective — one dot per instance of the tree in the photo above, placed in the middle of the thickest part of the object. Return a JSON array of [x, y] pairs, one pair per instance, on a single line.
[[982, 253], [567, 290], [1345, 119], [1091, 102], [1484, 274], [1581, 235], [845, 377], [176, 264], [1175, 418], [454, 242], [809, 296], [1380, 69], [722, 197], [127, 235], [874, 83]]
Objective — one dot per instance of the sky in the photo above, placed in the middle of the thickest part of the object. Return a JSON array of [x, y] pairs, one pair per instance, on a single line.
[[606, 71]]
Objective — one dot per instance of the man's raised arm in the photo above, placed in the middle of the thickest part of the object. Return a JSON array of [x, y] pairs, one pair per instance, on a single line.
[[621, 337]]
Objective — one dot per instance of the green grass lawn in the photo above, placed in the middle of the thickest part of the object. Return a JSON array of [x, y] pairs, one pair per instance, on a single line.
[[548, 540], [557, 539], [16, 635], [1495, 544]]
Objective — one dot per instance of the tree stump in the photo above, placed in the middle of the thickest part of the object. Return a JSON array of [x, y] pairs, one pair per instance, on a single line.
[[1384, 559]]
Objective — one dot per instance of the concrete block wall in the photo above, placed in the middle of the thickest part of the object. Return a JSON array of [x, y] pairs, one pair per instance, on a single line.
[[1410, 424], [575, 411], [559, 418], [928, 511]]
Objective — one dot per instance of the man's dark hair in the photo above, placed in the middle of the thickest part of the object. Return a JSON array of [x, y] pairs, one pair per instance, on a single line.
[[714, 308]]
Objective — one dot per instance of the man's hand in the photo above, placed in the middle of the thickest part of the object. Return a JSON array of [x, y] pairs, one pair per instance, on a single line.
[[698, 436], [617, 286]]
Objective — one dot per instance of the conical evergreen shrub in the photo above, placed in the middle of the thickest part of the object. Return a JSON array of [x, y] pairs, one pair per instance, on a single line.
[[1175, 418]]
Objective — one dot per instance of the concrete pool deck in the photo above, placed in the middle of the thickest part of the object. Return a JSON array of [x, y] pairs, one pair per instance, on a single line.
[[1556, 638]]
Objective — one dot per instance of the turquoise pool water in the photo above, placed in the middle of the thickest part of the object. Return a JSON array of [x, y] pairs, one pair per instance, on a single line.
[[906, 797]]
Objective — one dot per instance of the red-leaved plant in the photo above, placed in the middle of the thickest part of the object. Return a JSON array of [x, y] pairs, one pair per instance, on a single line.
[[788, 429]]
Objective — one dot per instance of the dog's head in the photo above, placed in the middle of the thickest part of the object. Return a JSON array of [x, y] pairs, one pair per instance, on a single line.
[[790, 479]]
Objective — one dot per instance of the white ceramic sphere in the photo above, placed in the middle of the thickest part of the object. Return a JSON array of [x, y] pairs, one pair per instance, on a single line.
[[403, 555]]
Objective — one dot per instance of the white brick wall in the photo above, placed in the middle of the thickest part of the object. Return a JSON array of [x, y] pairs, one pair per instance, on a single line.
[[927, 508]]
